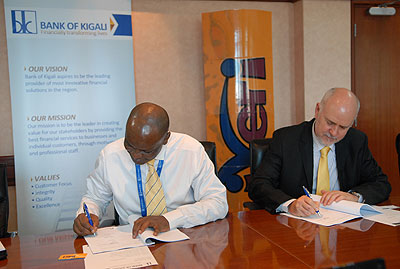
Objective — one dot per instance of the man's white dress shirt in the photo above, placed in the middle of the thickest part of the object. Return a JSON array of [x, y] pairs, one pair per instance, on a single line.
[[193, 193]]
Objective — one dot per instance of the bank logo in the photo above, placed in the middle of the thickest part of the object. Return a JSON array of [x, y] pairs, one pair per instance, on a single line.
[[123, 23], [23, 22]]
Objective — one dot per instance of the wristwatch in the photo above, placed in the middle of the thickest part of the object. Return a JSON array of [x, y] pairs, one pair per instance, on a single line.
[[359, 196]]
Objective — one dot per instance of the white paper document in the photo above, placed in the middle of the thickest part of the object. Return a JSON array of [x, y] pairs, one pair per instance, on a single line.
[[120, 237], [354, 208], [121, 259], [338, 212], [170, 236], [388, 217], [387, 207], [329, 217], [113, 238]]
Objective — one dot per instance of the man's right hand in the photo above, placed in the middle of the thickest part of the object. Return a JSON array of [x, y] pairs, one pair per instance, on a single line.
[[303, 207], [82, 226]]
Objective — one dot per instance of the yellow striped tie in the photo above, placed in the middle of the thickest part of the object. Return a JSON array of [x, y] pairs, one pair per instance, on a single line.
[[323, 172], [155, 199]]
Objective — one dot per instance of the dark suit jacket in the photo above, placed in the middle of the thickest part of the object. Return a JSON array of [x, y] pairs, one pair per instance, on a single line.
[[288, 165]]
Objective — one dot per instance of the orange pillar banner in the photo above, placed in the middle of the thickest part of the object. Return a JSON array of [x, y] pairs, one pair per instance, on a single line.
[[237, 53]]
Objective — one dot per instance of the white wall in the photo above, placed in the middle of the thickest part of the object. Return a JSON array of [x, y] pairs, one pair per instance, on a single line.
[[327, 49], [168, 58]]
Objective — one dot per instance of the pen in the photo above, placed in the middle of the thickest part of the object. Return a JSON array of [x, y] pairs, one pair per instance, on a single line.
[[88, 215], [309, 196]]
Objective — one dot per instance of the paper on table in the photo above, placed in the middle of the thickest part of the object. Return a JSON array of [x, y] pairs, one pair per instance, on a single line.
[[338, 212], [121, 259], [354, 208], [170, 236], [388, 217], [113, 238], [329, 217], [120, 237], [383, 207]]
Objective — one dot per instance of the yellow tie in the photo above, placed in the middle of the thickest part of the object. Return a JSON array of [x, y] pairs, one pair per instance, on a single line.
[[323, 172], [155, 199]]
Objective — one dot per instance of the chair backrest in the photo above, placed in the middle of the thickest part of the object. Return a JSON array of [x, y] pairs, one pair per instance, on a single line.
[[398, 149], [116, 217], [258, 147], [211, 152], [4, 207]]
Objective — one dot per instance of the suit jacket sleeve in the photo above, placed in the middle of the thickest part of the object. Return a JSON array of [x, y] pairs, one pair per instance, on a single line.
[[288, 165], [358, 170], [281, 174]]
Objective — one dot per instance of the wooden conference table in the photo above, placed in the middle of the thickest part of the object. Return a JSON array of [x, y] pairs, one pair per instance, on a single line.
[[248, 239]]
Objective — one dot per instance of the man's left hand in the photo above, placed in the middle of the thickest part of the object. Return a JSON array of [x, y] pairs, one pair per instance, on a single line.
[[328, 197], [158, 223]]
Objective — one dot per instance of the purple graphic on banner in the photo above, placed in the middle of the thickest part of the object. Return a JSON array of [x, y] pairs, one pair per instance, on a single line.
[[252, 108]]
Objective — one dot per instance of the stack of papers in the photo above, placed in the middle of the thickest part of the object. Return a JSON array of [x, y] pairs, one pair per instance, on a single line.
[[114, 247], [389, 216], [122, 259]]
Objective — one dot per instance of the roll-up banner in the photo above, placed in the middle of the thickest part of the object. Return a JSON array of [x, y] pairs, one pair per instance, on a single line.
[[72, 88], [237, 53]]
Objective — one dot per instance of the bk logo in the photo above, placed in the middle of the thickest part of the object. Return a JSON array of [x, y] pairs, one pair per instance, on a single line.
[[23, 22]]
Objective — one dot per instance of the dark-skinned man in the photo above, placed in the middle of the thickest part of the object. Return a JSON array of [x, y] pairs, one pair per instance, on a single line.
[[156, 178]]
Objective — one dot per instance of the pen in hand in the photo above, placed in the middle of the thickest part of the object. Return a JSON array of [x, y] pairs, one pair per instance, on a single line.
[[88, 215], [309, 196]]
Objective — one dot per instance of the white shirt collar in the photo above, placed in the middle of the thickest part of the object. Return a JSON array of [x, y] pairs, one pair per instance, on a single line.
[[161, 154]]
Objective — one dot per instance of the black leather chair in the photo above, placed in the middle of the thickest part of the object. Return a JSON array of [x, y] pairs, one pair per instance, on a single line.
[[398, 149], [116, 217], [4, 206], [257, 147], [211, 151], [212, 154]]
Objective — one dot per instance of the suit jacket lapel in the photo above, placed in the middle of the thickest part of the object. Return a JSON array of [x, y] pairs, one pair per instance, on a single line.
[[306, 150], [342, 151]]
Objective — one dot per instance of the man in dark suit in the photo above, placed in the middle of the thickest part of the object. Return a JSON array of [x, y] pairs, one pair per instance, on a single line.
[[294, 155]]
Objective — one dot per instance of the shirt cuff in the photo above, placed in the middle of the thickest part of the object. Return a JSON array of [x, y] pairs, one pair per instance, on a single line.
[[284, 207], [175, 218], [92, 208]]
